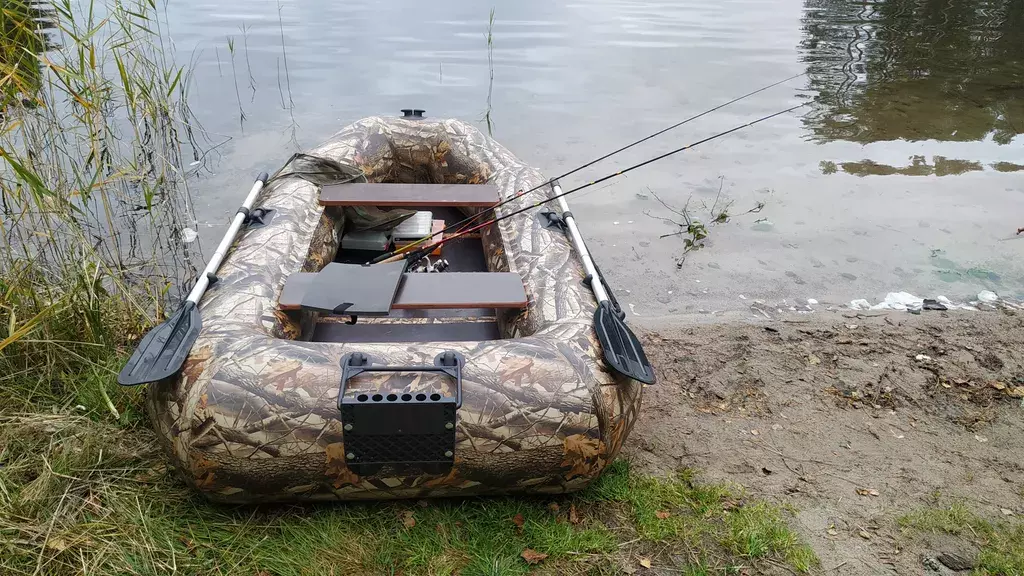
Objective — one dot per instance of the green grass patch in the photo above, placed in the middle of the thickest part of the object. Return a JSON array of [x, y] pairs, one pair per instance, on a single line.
[[711, 527], [1001, 544]]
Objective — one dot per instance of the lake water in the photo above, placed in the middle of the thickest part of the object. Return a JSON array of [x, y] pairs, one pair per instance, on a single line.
[[903, 175]]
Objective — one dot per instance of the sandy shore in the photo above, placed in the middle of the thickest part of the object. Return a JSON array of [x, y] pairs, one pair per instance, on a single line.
[[853, 419]]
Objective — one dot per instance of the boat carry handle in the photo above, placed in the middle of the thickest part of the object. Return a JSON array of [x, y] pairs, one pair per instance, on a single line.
[[356, 363]]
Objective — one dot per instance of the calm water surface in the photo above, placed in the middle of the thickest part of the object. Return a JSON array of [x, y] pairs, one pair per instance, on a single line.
[[904, 175]]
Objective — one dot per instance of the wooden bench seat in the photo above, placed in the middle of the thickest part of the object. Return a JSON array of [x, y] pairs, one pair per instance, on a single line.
[[409, 195], [442, 290]]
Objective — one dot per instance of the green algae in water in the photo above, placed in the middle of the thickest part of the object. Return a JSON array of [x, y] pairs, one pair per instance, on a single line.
[[950, 271]]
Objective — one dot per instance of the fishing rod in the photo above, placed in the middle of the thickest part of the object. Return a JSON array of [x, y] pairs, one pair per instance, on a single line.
[[421, 252], [469, 219]]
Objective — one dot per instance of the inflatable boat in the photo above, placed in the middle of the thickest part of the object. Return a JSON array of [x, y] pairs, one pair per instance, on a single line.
[[476, 371]]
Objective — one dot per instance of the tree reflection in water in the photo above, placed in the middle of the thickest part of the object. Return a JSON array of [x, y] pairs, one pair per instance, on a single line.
[[915, 69]]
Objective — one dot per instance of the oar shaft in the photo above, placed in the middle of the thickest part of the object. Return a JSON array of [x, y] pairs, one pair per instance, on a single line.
[[225, 244], [581, 248]]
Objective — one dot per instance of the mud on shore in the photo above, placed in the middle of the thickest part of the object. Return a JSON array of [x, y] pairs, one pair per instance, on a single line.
[[853, 419]]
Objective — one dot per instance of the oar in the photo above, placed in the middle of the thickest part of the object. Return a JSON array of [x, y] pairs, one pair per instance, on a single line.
[[622, 350], [164, 349]]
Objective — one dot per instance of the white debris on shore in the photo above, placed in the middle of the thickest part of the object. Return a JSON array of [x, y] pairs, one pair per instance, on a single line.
[[906, 301]]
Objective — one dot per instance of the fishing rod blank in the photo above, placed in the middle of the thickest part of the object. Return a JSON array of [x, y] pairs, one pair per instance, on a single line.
[[577, 169], [423, 251]]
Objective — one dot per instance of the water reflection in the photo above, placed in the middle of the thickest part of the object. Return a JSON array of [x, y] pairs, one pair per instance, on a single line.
[[919, 166], [22, 36], [915, 69]]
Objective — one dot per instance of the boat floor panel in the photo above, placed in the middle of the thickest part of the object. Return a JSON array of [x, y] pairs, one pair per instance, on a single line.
[[400, 332]]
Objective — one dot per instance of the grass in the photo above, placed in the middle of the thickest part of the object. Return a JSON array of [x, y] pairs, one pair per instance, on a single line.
[[87, 494], [94, 195], [1001, 543]]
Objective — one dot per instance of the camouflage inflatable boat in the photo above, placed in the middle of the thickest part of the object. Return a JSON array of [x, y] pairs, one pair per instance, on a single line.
[[278, 401]]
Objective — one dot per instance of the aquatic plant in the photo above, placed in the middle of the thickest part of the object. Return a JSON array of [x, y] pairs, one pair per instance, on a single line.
[[93, 194]]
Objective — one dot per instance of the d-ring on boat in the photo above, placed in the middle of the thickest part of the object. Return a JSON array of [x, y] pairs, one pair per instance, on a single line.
[[479, 367]]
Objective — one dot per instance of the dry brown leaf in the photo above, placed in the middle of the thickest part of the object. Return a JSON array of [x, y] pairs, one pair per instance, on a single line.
[[553, 506], [1015, 392], [645, 562], [997, 385], [874, 492], [532, 556], [864, 534], [813, 360], [574, 518], [518, 520], [661, 514], [407, 519], [863, 491]]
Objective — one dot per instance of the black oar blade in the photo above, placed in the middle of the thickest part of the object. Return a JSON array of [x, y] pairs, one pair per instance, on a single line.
[[163, 351], [622, 350]]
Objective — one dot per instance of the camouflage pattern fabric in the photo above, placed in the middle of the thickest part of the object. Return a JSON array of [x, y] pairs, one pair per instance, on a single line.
[[253, 417]]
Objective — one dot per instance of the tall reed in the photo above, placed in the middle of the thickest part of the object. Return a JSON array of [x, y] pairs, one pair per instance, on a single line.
[[93, 134]]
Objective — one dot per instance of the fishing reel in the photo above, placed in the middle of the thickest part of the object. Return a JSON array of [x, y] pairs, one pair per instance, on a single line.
[[425, 265]]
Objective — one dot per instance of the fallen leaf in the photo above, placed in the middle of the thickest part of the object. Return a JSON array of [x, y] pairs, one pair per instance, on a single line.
[[874, 492], [661, 514], [813, 360], [553, 506], [997, 385], [923, 358], [980, 438], [57, 544], [574, 518], [518, 520], [776, 426], [1016, 392], [864, 534], [832, 532], [863, 491], [645, 562], [755, 432], [532, 556], [1006, 511], [407, 520]]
